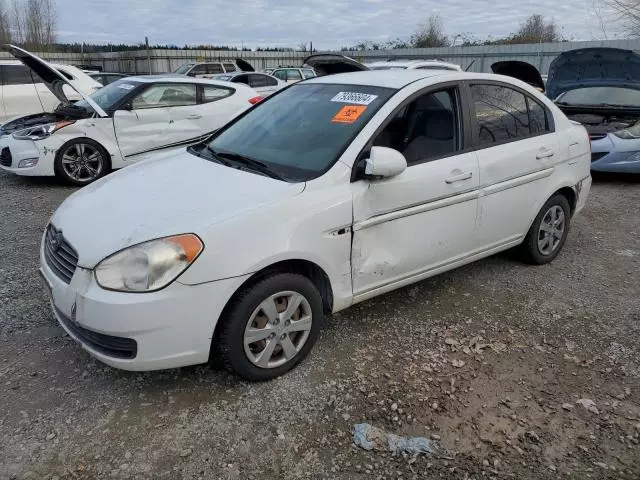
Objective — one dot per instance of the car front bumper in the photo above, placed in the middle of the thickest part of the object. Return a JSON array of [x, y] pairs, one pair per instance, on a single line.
[[169, 328], [22, 150], [616, 155]]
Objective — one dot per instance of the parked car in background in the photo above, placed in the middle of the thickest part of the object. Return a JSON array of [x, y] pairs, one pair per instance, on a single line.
[[413, 65], [24, 93], [107, 78], [325, 194], [261, 82], [292, 75], [117, 125], [210, 69], [600, 88]]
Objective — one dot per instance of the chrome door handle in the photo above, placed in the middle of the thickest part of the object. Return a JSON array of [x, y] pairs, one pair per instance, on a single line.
[[459, 178], [544, 153], [194, 117]]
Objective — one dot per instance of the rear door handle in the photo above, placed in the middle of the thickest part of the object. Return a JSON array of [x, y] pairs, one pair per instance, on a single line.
[[459, 178], [194, 116], [545, 153]]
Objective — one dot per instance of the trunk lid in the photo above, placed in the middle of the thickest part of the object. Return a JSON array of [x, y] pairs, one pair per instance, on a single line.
[[330, 64], [521, 70], [593, 67], [244, 65], [51, 77]]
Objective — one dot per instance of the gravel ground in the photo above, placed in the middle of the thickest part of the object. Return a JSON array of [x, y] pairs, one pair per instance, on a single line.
[[495, 361]]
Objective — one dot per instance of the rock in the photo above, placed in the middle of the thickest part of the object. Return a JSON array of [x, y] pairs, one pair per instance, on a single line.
[[185, 453], [346, 416], [552, 468], [435, 437], [457, 363], [601, 465], [588, 405], [394, 407], [127, 455], [51, 436], [485, 463], [434, 405], [533, 436], [451, 341], [567, 406]]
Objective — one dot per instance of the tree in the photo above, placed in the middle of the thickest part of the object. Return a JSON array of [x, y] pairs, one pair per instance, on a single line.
[[32, 23], [5, 23], [536, 30], [629, 13], [431, 34]]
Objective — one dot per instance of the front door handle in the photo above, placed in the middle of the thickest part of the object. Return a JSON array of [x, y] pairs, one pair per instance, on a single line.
[[459, 178], [194, 116], [544, 153]]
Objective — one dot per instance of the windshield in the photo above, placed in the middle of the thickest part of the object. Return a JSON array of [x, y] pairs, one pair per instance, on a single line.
[[388, 67], [623, 97], [107, 97], [184, 68], [300, 132]]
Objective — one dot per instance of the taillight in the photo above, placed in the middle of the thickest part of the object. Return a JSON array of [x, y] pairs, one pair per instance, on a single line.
[[255, 100]]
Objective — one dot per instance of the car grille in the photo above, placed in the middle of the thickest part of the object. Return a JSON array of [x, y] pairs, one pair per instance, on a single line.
[[5, 157], [117, 347], [598, 155], [597, 136], [60, 256]]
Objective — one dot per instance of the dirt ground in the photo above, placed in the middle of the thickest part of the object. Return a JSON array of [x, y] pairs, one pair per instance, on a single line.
[[516, 371]]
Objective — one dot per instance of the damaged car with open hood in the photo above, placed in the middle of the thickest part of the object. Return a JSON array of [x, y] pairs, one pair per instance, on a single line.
[[115, 126], [599, 88]]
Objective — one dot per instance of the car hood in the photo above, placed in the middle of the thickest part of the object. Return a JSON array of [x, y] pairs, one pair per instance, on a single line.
[[593, 67], [51, 77], [172, 193], [330, 64], [244, 65], [521, 70]]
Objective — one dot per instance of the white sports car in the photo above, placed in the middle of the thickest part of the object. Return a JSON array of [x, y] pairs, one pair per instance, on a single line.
[[115, 126]]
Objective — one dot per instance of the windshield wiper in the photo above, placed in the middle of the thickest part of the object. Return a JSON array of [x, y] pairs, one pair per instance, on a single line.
[[247, 161], [197, 151]]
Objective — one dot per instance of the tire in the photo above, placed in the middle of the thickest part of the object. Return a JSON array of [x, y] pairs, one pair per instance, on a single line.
[[253, 361], [88, 155], [538, 251]]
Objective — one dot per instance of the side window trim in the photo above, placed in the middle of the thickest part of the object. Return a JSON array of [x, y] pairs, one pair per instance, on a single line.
[[528, 97]]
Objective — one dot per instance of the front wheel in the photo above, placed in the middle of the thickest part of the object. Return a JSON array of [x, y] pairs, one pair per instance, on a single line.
[[548, 233], [81, 161], [270, 326]]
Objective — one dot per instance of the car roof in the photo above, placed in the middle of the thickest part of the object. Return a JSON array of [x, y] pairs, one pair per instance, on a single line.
[[410, 63], [401, 78]]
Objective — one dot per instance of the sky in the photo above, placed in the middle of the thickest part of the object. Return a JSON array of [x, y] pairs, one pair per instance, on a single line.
[[329, 24]]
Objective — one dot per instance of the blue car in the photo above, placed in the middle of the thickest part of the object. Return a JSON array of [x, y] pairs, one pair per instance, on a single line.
[[600, 88]]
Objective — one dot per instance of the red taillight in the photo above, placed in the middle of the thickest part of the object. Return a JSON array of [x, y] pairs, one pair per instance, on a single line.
[[255, 100]]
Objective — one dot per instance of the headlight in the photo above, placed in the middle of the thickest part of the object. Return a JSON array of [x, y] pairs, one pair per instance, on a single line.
[[629, 133], [41, 131], [150, 265]]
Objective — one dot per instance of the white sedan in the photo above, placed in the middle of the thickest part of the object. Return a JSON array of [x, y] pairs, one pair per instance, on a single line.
[[327, 193], [115, 126]]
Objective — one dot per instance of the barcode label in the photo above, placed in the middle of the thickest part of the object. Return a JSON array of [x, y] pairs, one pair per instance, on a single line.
[[354, 97]]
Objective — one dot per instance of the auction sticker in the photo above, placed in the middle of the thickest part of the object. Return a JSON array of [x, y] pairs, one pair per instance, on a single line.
[[126, 86], [354, 97], [349, 114]]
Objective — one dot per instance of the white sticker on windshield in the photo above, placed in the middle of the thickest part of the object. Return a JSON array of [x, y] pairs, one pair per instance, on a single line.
[[126, 86], [354, 97]]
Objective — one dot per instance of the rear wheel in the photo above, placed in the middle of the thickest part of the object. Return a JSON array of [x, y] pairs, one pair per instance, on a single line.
[[548, 233], [270, 326], [81, 161]]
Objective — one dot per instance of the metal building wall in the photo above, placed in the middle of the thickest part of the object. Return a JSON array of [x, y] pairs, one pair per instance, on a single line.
[[480, 57]]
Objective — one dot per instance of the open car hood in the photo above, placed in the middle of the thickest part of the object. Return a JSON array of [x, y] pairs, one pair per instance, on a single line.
[[593, 67], [51, 77], [521, 70], [330, 64], [244, 65]]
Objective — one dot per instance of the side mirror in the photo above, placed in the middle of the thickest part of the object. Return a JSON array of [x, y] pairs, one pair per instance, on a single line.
[[384, 162]]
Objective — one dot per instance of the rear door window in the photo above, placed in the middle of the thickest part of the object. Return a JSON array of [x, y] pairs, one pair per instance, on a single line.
[[293, 74], [230, 67], [256, 81], [281, 74], [308, 73], [211, 93], [501, 114], [214, 68], [166, 95]]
